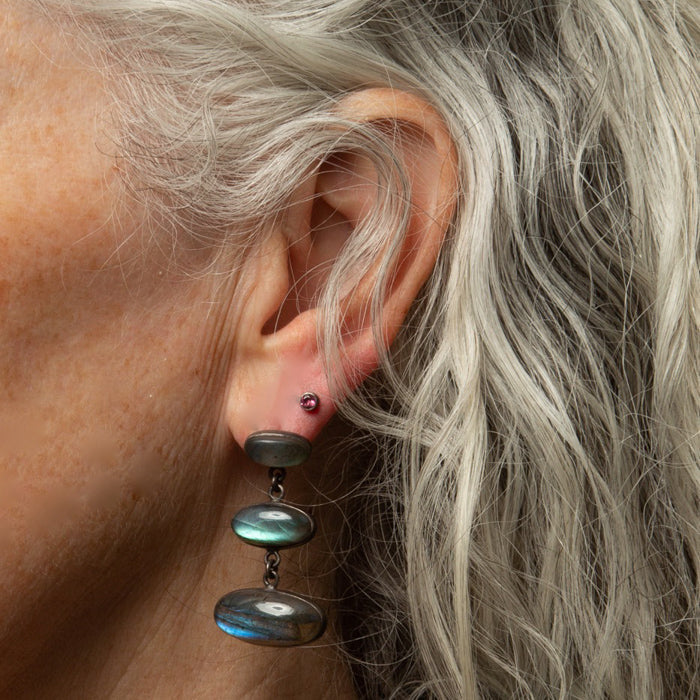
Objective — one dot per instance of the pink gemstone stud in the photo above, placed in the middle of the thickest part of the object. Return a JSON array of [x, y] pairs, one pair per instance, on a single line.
[[309, 401]]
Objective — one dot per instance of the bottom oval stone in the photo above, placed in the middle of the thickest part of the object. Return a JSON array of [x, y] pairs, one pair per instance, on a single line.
[[269, 617]]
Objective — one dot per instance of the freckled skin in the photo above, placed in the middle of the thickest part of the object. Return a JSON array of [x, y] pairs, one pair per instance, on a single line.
[[118, 475], [101, 401], [71, 317], [99, 393]]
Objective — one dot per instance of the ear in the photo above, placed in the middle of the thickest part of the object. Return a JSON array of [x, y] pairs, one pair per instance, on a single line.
[[278, 358]]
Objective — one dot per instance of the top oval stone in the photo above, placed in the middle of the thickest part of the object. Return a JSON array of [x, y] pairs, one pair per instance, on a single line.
[[277, 448]]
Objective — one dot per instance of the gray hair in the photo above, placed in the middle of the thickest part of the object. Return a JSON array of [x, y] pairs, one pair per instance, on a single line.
[[530, 513]]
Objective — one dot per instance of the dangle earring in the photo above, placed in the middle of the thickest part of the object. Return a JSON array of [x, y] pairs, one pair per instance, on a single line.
[[266, 615]]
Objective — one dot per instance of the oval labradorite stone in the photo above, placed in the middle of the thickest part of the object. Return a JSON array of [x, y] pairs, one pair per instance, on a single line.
[[276, 448], [273, 525], [269, 617]]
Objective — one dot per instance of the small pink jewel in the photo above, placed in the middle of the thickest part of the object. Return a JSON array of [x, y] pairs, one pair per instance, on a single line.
[[309, 401]]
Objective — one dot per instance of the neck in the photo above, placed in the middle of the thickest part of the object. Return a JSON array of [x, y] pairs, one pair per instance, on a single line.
[[160, 640]]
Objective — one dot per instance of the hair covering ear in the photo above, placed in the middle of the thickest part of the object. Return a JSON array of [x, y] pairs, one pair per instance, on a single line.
[[283, 359]]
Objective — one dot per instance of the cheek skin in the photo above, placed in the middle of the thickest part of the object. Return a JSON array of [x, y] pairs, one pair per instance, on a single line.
[[106, 400], [59, 299], [79, 297]]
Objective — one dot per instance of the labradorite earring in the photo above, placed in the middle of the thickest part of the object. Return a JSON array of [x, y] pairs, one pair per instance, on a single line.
[[267, 615]]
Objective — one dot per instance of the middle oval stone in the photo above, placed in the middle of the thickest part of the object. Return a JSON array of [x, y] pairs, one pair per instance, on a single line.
[[273, 525]]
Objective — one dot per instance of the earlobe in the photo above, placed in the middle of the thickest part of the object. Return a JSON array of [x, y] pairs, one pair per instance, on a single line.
[[269, 388], [279, 358]]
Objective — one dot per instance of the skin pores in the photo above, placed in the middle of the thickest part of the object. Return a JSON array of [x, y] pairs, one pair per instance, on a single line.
[[118, 471], [105, 393]]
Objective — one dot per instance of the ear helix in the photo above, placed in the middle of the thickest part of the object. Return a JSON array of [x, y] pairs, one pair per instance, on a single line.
[[269, 616]]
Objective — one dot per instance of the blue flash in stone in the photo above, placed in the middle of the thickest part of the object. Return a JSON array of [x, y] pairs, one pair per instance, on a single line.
[[273, 525], [269, 617]]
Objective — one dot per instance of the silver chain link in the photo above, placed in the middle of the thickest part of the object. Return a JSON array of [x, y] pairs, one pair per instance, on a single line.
[[272, 557], [272, 562], [276, 490]]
